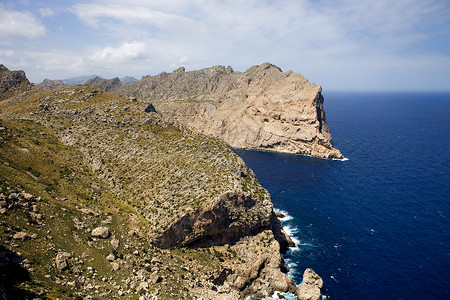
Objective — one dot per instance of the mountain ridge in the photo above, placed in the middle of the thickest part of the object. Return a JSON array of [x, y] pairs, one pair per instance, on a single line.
[[262, 108]]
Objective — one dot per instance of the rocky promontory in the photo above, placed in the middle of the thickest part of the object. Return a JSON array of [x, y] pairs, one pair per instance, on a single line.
[[12, 82], [101, 196], [262, 108]]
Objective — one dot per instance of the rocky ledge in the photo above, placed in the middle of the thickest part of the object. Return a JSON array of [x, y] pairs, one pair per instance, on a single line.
[[262, 108]]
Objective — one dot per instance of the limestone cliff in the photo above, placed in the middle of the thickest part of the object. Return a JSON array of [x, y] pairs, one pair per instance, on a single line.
[[262, 108], [103, 197], [12, 82]]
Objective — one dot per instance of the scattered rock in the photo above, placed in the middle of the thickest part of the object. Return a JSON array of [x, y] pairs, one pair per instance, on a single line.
[[111, 257], [61, 260], [115, 266], [155, 278], [21, 236], [115, 244], [101, 232]]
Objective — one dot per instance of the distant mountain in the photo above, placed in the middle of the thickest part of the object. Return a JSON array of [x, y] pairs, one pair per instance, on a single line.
[[48, 83], [104, 84], [78, 80], [127, 80]]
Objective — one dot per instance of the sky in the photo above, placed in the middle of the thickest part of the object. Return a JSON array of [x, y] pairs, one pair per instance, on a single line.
[[339, 44]]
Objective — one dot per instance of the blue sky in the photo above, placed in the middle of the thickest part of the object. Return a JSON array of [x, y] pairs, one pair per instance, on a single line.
[[340, 44]]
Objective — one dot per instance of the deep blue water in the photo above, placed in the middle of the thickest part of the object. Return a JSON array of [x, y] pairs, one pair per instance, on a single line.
[[378, 225]]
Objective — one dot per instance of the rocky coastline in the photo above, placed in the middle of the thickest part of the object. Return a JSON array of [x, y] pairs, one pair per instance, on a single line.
[[102, 197]]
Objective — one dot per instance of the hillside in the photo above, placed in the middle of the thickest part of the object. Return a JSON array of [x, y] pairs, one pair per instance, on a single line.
[[103, 199]]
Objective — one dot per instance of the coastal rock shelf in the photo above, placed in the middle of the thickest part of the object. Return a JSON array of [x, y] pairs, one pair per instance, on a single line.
[[262, 108]]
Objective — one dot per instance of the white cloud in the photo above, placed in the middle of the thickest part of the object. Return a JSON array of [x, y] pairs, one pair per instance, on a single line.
[[334, 43], [126, 52], [94, 13], [46, 12], [19, 24]]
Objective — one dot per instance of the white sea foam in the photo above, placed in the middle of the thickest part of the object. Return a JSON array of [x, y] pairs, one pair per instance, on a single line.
[[340, 159], [279, 295], [287, 217]]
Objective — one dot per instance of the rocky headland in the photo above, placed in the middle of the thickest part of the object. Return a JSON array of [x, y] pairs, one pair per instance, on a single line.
[[262, 108], [102, 196]]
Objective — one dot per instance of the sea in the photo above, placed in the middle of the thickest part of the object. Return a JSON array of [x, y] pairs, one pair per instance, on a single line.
[[375, 225]]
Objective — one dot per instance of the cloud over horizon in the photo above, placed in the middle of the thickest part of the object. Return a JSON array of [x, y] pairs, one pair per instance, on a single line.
[[341, 44]]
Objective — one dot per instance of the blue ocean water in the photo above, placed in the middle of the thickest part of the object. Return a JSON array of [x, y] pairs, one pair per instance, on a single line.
[[376, 226]]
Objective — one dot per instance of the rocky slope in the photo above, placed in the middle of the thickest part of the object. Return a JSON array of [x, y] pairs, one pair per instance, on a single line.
[[262, 108], [100, 198]]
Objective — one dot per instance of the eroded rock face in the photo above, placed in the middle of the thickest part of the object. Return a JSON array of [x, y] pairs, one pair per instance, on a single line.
[[232, 216], [261, 273], [310, 288], [262, 108], [11, 82]]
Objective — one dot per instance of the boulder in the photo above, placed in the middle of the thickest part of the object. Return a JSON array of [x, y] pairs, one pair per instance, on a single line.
[[115, 266], [101, 232], [61, 260], [115, 244], [21, 236], [111, 257]]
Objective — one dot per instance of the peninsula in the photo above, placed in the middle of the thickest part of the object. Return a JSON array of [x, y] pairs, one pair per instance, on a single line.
[[125, 194]]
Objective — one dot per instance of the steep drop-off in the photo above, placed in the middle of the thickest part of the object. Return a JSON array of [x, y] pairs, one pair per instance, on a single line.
[[262, 108], [103, 197]]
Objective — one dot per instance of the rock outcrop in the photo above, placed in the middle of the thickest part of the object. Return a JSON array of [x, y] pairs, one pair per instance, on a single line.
[[310, 287], [12, 82], [262, 108]]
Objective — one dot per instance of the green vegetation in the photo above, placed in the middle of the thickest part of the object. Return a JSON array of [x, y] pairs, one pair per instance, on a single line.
[[79, 148]]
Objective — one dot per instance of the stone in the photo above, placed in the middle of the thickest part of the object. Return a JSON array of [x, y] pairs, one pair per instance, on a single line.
[[101, 232], [155, 278], [21, 236], [111, 257], [115, 266], [142, 286], [61, 260], [115, 244], [26, 196]]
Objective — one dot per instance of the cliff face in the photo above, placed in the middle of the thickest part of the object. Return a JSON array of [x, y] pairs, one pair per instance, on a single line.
[[12, 82], [262, 108], [99, 190]]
